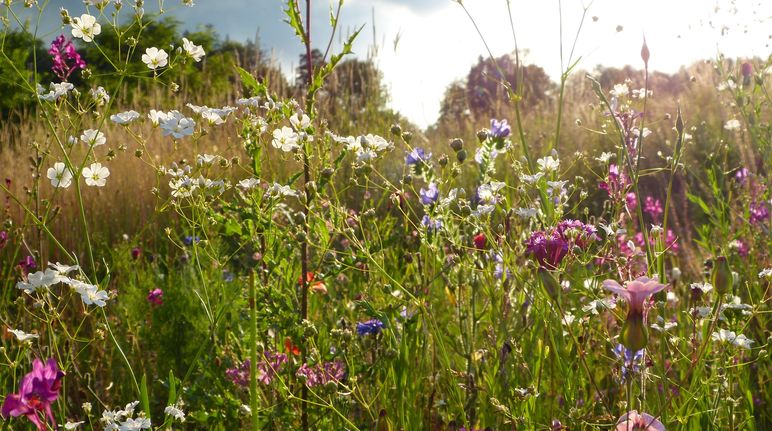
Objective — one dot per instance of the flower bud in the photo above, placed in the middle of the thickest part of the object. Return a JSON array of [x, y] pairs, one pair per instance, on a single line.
[[456, 144], [443, 160], [482, 135], [550, 284], [635, 336], [645, 54], [722, 278], [396, 130], [407, 136], [461, 156]]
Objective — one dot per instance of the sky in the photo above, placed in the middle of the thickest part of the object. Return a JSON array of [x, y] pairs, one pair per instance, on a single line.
[[422, 46]]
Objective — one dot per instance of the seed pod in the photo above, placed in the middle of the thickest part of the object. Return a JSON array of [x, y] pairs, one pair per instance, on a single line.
[[396, 130], [482, 135], [461, 156], [645, 54], [635, 336], [456, 144]]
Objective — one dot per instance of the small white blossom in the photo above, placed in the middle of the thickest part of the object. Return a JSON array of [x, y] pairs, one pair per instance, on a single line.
[[193, 50], [300, 123], [90, 294], [726, 336], [57, 90], [96, 175], [155, 58], [100, 96], [175, 413], [765, 273], [93, 137], [124, 118], [156, 117], [21, 335], [703, 287], [85, 27], [604, 157], [548, 164], [248, 183], [59, 175], [285, 139], [177, 125], [73, 425], [733, 124], [526, 213], [620, 90]]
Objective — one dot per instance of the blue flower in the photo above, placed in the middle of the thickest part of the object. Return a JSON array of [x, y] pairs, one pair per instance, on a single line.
[[500, 129], [189, 240], [630, 360], [430, 194], [372, 326], [417, 156], [431, 225]]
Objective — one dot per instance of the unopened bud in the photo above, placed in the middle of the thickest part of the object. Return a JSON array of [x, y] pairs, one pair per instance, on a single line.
[[721, 277], [396, 130], [461, 156], [443, 160], [645, 54], [456, 144], [482, 135]]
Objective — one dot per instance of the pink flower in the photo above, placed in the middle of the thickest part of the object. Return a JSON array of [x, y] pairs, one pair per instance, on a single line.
[[635, 292], [639, 421], [37, 391], [635, 335], [156, 296]]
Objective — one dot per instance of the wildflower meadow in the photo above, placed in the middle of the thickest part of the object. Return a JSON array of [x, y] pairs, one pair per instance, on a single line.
[[189, 240]]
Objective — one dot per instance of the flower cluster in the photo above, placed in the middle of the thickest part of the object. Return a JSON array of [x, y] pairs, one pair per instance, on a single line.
[[551, 246], [66, 59], [322, 373], [123, 420]]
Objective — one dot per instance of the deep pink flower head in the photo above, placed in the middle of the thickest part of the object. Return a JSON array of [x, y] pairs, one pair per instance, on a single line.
[[37, 391], [65, 58], [156, 296], [136, 253], [635, 292], [639, 422]]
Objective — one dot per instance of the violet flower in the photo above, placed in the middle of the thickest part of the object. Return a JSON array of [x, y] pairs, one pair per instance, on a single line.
[[323, 373], [417, 156], [500, 129], [156, 296], [37, 391], [430, 194], [372, 326]]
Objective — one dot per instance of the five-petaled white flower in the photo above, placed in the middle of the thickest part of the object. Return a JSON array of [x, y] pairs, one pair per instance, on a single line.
[[174, 412], [85, 27], [96, 174], [733, 124], [21, 335], [156, 117], [90, 294], [548, 164], [124, 118], [59, 175], [73, 425], [155, 58], [285, 139], [300, 123], [93, 137], [177, 125], [193, 50]]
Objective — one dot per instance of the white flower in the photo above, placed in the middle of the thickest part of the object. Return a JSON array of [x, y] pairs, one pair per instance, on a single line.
[[641, 93], [548, 164], [126, 117], [73, 425], [90, 294], [281, 190], [93, 137], [206, 159], [40, 279], [703, 287], [175, 413], [724, 335], [96, 175], [285, 139], [156, 117], [526, 213], [728, 84], [604, 157], [249, 183], [85, 27], [59, 175], [131, 424], [300, 123], [663, 326], [765, 273], [620, 90], [487, 192], [374, 142], [193, 50], [646, 132], [57, 90], [21, 335], [155, 58], [252, 101], [530, 179], [99, 95], [733, 124], [177, 125], [593, 306]]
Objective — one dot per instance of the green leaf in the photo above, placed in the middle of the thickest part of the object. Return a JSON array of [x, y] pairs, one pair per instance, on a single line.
[[252, 83], [172, 389], [143, 396]]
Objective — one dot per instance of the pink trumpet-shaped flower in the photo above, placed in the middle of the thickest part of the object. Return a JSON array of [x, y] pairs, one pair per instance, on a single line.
[[634, 421], [37, 391], [635, 292], [635, 335]]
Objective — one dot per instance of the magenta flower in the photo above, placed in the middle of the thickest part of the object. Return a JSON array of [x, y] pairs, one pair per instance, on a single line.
[[156, 296], [37, 391], [634, 333], [653, 207], [65, 58], [322, 373], [639, 421]]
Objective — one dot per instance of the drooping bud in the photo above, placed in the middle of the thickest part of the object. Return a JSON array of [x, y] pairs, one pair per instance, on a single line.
[[548, 281], [722, 278], [635, 336], [645, 54]]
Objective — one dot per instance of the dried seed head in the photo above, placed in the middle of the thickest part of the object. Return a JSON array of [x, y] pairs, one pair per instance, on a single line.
[[645, 54]]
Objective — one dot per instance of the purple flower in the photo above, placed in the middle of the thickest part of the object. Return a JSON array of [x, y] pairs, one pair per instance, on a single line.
[[65, 59], [156, 296], [430, 194], [653, 207], [28, 265], [322, 374], [3, 238], [758, 212], [578, 233], [630, 360], [549, 249], [37, 391], [136, 253], [417, 156], [500, 129], [431, 225], [266, 369], [239, 375], [742, 175], [372, 326]]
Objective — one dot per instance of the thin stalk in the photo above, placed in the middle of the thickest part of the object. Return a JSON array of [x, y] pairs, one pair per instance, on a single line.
[[253, 352]]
